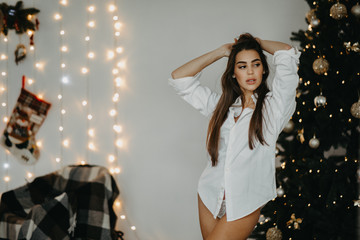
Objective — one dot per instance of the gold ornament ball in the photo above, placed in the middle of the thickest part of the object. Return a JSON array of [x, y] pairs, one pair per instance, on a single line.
[[314, 143], [320, 66], [310, 15], [338, 11], [355, 10], [355, 109], [273, 234], [289, 127]]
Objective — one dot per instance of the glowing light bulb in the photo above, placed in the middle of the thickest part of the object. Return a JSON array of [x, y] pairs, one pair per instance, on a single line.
[[119, 143], [87, 38], [7, 179], [3, 57], [57, 160], [5, 119], [84, 103], [39, 65], [3, 73], [63, 111], [39, 144], [29, 17], [117, 25], [57, 16], [61, 128], [84, 70], [133, 228], [30, 81], [6, 165], [91, 55], [123, 217], [59, 96], [66, 143], [115, 71], [115, 18], [5, 39], [119, 82], [32, 48], [63, 2], [91, 8], [65, 80], [116, 97], [29, 32], [112, 8], [121, 64], [63, 65], [64, 48], [117, 170], [89, 117], [3, 104], [111, 158], [62, 32], [91, 132], [117, 34], [29, 175], [110, 55], [119, 49], [2, 89], [91, 146], [112, 112], [82, 162], [91, 24], [117, 203], [117, 128]]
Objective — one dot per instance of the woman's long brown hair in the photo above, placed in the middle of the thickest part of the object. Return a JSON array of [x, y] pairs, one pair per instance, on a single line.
[[231, 91]]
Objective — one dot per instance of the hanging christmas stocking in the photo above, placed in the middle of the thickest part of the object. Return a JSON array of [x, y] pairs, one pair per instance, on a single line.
[[27, 116]]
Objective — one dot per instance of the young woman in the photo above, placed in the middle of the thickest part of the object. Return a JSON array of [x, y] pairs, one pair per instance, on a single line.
[[246, 120]]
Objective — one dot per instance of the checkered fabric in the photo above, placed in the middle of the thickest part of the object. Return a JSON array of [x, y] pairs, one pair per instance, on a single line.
[[72, 203]]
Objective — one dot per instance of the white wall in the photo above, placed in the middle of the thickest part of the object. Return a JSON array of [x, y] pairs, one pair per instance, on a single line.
[[165, 151]]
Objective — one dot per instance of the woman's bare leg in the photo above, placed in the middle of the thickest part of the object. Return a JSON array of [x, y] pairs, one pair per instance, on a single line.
[[235, 230], [207, 221]]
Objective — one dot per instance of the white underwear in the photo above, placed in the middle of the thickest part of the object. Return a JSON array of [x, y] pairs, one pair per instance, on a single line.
[[222, 211]]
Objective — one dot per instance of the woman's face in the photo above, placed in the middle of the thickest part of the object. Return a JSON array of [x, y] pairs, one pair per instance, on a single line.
[[248, 70]]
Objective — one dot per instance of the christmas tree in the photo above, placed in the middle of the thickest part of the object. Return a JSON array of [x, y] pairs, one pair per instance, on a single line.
[[319, 147]]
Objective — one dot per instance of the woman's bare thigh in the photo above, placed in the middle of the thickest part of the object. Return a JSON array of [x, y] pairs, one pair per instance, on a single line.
[[207, 221], [235, 230]]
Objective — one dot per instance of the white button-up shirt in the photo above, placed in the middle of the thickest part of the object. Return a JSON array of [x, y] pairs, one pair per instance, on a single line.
[[245, 176]]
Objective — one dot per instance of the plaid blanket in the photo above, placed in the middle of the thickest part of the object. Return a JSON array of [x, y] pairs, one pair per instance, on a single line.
[[72, 203]]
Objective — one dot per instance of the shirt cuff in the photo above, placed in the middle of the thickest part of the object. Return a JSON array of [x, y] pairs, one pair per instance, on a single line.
[[184, 83]]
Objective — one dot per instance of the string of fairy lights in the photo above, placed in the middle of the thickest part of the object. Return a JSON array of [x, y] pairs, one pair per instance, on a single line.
[[113, 54]]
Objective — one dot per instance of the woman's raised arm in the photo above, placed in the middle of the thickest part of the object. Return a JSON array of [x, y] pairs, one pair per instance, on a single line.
[[273, 46], [196, 65]]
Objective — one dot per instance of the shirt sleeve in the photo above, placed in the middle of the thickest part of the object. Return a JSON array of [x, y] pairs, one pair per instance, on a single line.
[[200, 97], [283, 100]]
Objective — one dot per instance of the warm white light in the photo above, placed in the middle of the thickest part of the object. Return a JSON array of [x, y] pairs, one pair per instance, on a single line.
[[59, 96], [5, 119], [117, 203], [3, 73], [3, 57], [57, 160], [117, 34], [112, 8], [110, 55], [119, 82], [6, 165], [32, 48], [121, 64], [123, 217], [29, 17], [117, 170], [30, 81], [57, 16], [63, 111], [66, 143], [115, 18], [91, 132], [39, 144], [117, 25], [119, 49], [115, 71], [5, 39], [116, 97], [65, 80], [63, 65], [29, 32], [91, 8], [87, 38], [133, 228], [29, 175], [91, 24], [62, 32], [112, 112], [3, 104], [91, 146], [89, 117], [39, 65], [40, 95], [82, 162], [2, 89], [61, 128], [117, 128], [7, 179], [91, 55], [111, 158], [119, 143], [84, 103], [64, 48], [63, 2], [84, 70]]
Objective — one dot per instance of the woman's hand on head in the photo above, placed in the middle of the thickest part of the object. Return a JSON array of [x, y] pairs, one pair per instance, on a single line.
[[226, 48]]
